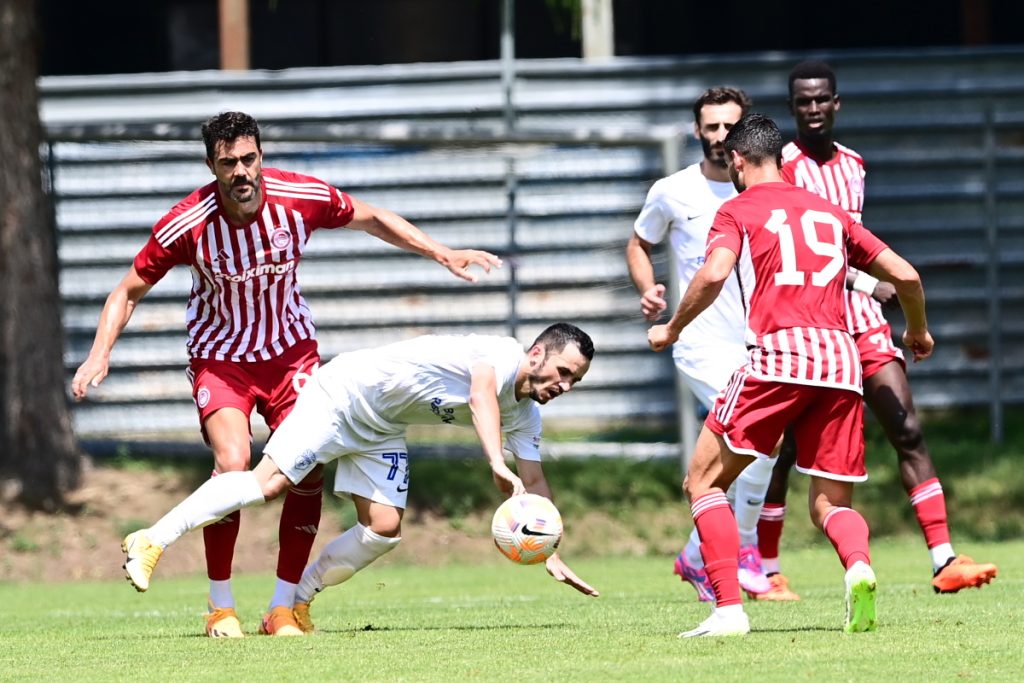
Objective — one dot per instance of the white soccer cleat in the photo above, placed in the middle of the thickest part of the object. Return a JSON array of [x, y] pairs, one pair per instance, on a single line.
[[861, 587], [733, 623]]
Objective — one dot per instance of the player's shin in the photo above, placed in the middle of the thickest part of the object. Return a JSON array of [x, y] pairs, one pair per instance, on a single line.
[[213, 500], [341, 559]]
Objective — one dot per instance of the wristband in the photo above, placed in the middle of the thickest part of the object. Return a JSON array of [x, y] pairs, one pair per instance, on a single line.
[[864, 283]]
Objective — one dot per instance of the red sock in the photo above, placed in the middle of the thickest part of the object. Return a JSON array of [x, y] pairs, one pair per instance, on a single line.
[[930, 507], [219, 539], [769, 529], [720, 545], [849, 535], [300, 517]]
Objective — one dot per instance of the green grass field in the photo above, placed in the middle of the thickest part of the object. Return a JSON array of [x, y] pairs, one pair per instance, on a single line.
[[498, 621]]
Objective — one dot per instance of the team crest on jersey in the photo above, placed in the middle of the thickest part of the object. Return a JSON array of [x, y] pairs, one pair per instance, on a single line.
[[202, 397], [281, 238], [857, 185], [305, 461]]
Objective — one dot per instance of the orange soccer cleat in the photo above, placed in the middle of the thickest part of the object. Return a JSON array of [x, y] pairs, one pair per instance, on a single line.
[[963, 572], [779, 592], [280, 621], [222, 622]]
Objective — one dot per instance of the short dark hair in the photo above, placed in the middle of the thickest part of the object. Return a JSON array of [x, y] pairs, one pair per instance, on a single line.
[[721, 94], [555, 338], [812, 68], [756, 138], [227, 127]]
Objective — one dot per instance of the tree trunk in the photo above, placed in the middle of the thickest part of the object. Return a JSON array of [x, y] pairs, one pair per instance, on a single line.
[[38, 452]]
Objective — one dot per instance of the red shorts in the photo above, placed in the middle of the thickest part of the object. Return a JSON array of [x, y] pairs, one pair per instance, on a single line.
[[269, 386], [752, 413], [877, 350]]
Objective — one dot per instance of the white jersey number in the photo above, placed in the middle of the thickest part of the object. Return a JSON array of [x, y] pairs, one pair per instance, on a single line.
[[790, 274]]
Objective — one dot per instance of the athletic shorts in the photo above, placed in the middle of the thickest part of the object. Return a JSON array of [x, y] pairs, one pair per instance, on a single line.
[[317, 431], [707, 373], [269, 386], [827, 422], [877, 350]]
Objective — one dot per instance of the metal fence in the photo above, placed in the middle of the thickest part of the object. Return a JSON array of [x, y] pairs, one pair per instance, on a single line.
[[941, 132]]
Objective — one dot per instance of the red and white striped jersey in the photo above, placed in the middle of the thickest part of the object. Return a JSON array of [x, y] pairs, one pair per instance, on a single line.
[[839, 180], [245, 303], [799, 246]]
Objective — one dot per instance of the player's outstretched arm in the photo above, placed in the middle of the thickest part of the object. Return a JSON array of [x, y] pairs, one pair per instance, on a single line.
[[483, 405], [535, 481], [117, 311], [391, 228], [641, 271], [892, 267]]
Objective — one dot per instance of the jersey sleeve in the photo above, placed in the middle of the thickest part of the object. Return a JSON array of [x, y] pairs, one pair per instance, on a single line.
[[725, 232], [862, 246], [653, 222], [339, 212], [155, 258], [523, 437], [789, 173]]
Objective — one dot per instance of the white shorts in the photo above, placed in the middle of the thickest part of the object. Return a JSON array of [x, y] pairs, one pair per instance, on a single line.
[[707, 372], [317, 432]]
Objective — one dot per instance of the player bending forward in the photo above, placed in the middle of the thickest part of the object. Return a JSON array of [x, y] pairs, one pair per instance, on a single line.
[[803, 369], [355, 410]]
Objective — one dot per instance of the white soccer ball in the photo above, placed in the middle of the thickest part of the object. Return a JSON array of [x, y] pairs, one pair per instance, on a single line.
[[527, 529]]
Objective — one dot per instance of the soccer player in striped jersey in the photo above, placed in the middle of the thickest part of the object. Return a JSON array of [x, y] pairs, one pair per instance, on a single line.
[[816, 162], [681, 208], [803, 371], [251, 337]]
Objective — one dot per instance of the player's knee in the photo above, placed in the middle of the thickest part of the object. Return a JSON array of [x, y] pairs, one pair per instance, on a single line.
[[231, 459], [388, 528], [908, 438]]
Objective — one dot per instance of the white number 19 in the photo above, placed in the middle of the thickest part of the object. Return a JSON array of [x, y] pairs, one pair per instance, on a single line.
[[790, 274]]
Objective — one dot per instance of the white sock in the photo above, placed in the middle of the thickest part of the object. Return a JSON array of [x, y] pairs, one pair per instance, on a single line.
[[770, 565], [692, 549], [220, 593], [216, 498], [729, 610], [341, 559], [284, 594], [748, 493], [941, 554]]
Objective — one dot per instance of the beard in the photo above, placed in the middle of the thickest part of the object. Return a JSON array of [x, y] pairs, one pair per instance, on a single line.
[[243, 191], [715, 155]]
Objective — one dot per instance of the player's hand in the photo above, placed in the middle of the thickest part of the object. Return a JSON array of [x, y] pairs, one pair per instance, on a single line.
[[919, 343], [660, 337], [561, 572], [458, 262], [652, 303], [89, 374], [885, 294], [507, 481]]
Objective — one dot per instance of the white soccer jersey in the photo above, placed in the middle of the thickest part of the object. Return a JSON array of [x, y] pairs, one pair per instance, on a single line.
[[683, 206], [426, 380]]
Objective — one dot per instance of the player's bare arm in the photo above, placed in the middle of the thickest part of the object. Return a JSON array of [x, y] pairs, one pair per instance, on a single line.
[[893, 268], [641, 271], [707, 283], [391, 228], [117, 311], [533, 477], [483, 405]]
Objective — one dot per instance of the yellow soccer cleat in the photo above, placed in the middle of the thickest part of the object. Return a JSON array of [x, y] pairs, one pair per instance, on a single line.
[[222, 622], [141, 558], [280, 621], [302, 618]]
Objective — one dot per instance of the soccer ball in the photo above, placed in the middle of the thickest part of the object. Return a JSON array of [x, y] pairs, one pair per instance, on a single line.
[[527, 529]]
